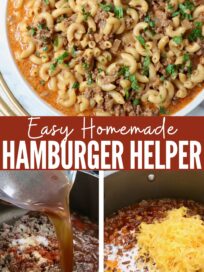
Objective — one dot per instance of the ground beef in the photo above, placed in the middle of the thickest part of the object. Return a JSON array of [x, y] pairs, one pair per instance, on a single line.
[[116, 46], [187, 24], [101, 16], [108, 103], [108, 79], [121, 228], [14, 258], [68, 21], [44, 36]]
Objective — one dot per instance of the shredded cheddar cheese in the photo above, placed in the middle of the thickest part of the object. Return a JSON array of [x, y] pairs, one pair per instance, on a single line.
[[175, 244]]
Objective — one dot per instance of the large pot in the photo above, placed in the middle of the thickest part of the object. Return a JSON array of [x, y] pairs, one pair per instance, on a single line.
[[124, 188]]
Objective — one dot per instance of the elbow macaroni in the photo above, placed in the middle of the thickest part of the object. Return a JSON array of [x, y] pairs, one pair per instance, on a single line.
[[111, 58]]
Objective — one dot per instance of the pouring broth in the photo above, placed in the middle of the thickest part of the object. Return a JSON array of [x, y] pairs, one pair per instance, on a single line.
[[46, 192]]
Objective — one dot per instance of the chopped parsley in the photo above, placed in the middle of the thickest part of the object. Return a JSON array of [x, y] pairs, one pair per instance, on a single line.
[[171, 69], [45, 49], [136, 102], [170, 7], [148, 20], [196, 33], [106, 7], [41, 26], [124, 71], [75, 85], [186, 57], [162, 78], [32, 31], [58, 60], [85, 14], [187, 63], [53, 67], [146, 64], [127, 94], [90, 79], [73, 52], [56, 42], [185, 10], [141, 40], [119, 13], [47, 2], [178, 39], [190, 68], [162, 110], [85, 65], [100, 70], [176, 13], [134, 83], [62, 57], [61, 18]]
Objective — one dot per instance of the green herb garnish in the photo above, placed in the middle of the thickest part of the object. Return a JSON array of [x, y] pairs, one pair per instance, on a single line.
[[73, 52], [141, 40], [162, 110], [119, 13], [134, 83], [136, 102], [85, 14], [170, 7], [186, 57], [41, 26], [62, 57], [178, 39], [32, 31], [56, 42], [90, 79], [75, 85], [53, 67], [106, 7], [196, 33], [127, 94], [100, 70], [85, 65], [45, 49], [171, 69], [124, 71], [176, 13], [185, 10], [146, 64], [148, 20]]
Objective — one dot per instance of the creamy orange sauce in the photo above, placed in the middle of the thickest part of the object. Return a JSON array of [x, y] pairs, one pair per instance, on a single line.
[[25, 66], [43, 91]]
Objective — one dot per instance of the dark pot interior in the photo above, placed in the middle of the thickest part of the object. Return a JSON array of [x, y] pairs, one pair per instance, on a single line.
[[124, 188]]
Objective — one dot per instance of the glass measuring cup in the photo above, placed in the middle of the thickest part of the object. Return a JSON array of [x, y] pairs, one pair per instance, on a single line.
[[33, 190]]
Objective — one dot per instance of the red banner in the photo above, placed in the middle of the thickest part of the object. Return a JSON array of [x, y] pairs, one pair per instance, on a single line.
[[101, 143]]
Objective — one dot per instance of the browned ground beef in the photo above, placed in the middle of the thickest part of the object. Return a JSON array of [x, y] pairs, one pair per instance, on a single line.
[[122, 226], [14, 259]]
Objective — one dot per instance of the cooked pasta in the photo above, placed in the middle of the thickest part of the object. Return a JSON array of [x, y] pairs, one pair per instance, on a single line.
[[112, 57]]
